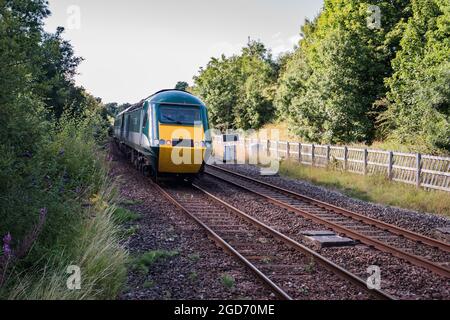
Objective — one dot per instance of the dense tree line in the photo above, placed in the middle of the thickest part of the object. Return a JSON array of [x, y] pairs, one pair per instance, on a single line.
[[346, 82], [239, 90], [48, 125]]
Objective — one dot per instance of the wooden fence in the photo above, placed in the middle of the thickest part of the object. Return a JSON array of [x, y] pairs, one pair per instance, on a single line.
[[412, 168]]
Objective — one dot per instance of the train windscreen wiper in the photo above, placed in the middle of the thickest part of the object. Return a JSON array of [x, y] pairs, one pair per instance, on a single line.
[[172, 120]]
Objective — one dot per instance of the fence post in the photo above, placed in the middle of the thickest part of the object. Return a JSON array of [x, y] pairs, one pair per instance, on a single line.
[[366, 156], [313, 160], [345, 158], [268, 147], [328, 154], [277, 150], [390, 164], [418, 169], [257, 150], [288, 150], [300, 152], [244, 144]]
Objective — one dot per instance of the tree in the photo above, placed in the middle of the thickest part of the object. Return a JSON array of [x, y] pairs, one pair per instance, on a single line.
[[112, 108], [418, 112], [333, 107], [218, 85], [36, 90], [239, 90], [255, 107], [182, 85], [328, 89], [56, 80]]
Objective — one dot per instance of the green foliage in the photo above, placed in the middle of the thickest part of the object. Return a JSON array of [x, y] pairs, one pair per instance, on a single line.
[[193, 276], [123, 215], [254, 107], [50, 162], [218, 86], [228, 281], [146, 260], [346, 82], [149, 284], [182, 85], [329, 87], [239, 90], [194, 257], [419, 90]]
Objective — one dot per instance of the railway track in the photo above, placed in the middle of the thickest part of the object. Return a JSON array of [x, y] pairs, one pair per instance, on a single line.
[[417, 249], [282, 264]]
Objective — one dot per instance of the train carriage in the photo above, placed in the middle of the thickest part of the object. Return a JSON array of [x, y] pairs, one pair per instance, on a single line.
[[166, 134]]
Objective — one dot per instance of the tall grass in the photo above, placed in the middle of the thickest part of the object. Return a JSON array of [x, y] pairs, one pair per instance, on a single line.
[[376, 189], [69, 178], [98, 254]]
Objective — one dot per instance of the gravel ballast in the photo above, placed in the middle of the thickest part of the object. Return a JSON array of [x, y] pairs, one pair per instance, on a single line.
[[398, 278], [198, 265], [420, 222]]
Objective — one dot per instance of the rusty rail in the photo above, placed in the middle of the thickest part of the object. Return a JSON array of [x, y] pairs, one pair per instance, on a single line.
[[419, 261]]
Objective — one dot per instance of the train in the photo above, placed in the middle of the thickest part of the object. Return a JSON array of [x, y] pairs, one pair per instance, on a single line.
[[166, 135]]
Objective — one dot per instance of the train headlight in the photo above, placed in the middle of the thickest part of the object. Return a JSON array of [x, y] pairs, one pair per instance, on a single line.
[[169, 143], [156, 142], [162, 142]]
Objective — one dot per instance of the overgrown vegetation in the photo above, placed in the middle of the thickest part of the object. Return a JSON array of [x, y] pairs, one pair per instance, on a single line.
[[227, 281], [123, 215], [56, 200], [147, 259], [239, 90], [346, 82], [377, 189]]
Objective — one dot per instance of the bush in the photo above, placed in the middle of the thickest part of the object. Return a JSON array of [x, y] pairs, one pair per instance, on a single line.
[[67, 178]]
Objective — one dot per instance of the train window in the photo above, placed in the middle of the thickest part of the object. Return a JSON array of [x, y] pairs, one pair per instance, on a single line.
[[144, 123], [179, 115]]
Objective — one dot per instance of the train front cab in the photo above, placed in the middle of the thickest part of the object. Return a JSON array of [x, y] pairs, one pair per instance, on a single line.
[[182, 139]]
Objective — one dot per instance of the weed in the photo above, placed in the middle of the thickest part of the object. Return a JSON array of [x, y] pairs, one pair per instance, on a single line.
[[193, 276], [310, 266], [266, 260], [131, 231], [130, 202], [123, 215], [146, 260], [194, 257], [228, 281], [149, 284], [303, 290]]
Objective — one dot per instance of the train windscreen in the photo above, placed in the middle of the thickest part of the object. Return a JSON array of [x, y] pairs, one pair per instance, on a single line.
[[179, 115]]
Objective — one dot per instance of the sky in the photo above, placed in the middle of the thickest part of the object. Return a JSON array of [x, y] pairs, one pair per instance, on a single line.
[[133, 48]]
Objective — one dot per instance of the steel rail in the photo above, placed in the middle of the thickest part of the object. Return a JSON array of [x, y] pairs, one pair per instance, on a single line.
[[354, 215], [436, 268], [227, 247], [328, 264]]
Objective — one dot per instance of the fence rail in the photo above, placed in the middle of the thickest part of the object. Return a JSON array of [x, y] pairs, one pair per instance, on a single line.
[[417, 169]]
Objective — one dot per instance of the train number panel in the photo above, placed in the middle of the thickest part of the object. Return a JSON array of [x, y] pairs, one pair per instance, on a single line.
[[165, 134]]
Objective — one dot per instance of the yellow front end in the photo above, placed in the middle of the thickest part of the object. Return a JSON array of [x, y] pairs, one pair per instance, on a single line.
[[181, 159]]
